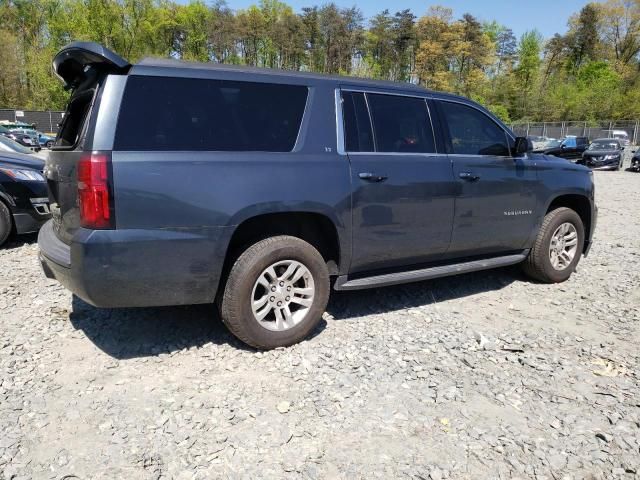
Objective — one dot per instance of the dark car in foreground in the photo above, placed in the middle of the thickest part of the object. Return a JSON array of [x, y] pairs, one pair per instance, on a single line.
[[570, 148], [24, 202], [178, 183], [635, 161], [603, 154]]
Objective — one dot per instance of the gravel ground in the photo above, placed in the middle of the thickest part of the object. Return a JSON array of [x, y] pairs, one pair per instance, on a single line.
[[479, 376]]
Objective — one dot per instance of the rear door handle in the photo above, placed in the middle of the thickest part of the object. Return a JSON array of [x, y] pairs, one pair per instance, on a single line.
[[468, 176], [372, 177]]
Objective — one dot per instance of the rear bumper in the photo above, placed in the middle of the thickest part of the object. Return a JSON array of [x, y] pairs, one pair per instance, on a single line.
[[136, 268]]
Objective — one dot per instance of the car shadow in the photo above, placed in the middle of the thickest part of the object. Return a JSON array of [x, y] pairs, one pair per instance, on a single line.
[[144, 332], [346, 305], [17, 241]]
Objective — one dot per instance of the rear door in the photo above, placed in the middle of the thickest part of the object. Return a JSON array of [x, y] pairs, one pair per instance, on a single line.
[[403, 188], [495, 206]]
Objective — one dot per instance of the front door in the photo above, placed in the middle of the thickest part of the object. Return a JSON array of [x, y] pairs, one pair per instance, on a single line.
[[403, 190], [495, 208]]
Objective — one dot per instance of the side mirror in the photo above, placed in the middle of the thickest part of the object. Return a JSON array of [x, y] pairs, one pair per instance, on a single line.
[[522, 146]]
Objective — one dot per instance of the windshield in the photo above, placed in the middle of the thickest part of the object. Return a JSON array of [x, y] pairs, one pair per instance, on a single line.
[[8, 145], [552, 144], [604, 145]]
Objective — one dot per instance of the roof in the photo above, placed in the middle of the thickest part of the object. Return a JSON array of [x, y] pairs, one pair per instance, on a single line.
[[151, 62]]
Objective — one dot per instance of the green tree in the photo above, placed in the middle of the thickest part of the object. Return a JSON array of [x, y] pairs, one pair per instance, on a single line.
[[582, 38], [591, 72], [527, 70]]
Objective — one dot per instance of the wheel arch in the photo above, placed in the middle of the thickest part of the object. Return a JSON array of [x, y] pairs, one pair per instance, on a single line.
[[579, 203], [313, 227], [8, 202]]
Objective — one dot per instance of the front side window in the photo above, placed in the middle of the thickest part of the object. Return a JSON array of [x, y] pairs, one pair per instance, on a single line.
[[188, 114], [472, 132]]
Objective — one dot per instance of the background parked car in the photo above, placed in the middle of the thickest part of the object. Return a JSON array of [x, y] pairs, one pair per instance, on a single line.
[[24, 201], [570, 148], [622, 136], [25, 138], [9, 145], [551, 143], [603, 154], [45, 140], [538, 142]]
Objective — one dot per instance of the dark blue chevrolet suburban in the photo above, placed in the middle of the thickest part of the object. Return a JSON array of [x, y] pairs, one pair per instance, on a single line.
[[260, 190]]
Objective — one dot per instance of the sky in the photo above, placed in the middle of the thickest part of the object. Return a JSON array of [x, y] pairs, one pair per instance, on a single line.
[[547, 16]]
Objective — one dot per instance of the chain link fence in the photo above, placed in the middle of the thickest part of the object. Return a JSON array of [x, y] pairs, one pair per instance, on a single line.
[[46, 121], [591, 130]]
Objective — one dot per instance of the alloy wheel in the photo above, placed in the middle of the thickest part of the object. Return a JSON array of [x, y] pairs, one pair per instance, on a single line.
[[564, 245], [282, 295]]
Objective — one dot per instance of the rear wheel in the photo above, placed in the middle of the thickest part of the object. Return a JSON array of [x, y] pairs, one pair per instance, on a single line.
[[275, 293], [49, 144], [5, 223], [558, 247]]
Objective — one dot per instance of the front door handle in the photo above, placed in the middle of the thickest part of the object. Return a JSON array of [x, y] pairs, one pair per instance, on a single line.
[[468, 176], [372, 177]]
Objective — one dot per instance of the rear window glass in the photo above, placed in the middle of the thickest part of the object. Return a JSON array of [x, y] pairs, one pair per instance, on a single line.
[[357, 126], [160, 113], [401, 124], [74, 118]]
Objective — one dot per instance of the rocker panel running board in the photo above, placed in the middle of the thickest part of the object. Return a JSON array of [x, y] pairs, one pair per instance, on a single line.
[[385, 280]]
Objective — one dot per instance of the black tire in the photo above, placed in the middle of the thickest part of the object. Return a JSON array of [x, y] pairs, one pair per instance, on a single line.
[[5, 223], [538, 264], [235, 306], [49, 144]]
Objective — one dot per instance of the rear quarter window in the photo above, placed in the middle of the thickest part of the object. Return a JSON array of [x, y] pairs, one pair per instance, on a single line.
[[182, 114]]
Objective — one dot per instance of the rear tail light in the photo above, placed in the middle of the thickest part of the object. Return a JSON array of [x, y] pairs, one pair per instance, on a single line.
[[95, 196]]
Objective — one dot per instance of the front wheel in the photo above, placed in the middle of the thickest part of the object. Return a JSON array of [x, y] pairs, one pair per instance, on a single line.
[[558, 247], [276, 292], [5, 223]]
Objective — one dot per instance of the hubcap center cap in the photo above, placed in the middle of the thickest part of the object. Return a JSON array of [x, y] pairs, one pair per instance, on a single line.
[[280, 294]]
